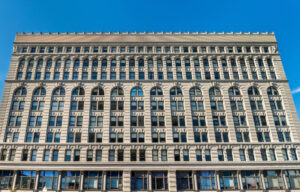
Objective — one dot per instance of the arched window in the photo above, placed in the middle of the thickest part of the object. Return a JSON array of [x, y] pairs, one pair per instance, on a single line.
[[113, 63], [117, 91], [39, 91], [97, 91], [123, 63], [214, 91], [76, 63], [141, 62], [86, 63], [59, 91], [95, 63], [150, 63], [21, 91], [21, 64], [58, 64], [195, 91], [104, 62], [176, 91], [159, 63], [78, 91], [187, 63], [253, 91], [178, 63], [137, 91], [196, 104], [40, 63], [272, 91], [68, 63], [169, 62], [156, 91], [49, 63], [234, 91], [31, 63]]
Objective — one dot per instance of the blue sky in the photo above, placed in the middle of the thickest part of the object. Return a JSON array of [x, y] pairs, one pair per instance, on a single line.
[[281, 17]]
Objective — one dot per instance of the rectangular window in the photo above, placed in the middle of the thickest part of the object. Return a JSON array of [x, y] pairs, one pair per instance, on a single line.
[[66, 76], [160, 180], [26, 180], [46, 155], [94, 75], [188, 75], [103, 75], [229, 155], [207, 155], [70, 180], [242, 155], [141, 76], [179, 75], [207, 75], [160, 75], [114, 180], [170, 75], [273, 180], [294, 154], [228, 180], [111, 155], [131, 75], [220, 155]]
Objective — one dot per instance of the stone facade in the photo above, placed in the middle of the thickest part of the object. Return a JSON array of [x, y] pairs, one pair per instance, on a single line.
[[148, 111]]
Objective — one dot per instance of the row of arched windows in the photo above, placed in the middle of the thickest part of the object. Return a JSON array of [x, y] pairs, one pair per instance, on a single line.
[[137, 91], [140, 62]]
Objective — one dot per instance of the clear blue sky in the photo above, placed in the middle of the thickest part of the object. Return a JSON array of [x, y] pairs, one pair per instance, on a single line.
[[281, 17]]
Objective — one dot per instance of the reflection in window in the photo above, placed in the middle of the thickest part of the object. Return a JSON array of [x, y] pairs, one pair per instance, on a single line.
[[114, 180], [137, 92], [48, 179], [250, 180], [206, 180], [93, 180], [26, 179], [293, 179], [6, 179], [228, 180], [139, 181], [160, 180], [184, 180], [70, 180], [273, 179]]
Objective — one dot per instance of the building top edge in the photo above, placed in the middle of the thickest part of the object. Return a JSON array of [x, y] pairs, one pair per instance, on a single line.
[[147, 33], [154, 37]]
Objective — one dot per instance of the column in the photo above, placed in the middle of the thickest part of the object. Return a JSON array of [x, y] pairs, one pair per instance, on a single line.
[[147, 115], [149, 181], [168, 119], [14, 180], [59, 180], [262, 180], [172, 181], [240, 180], [285, 186], [85, 124], [208, 112], [104, 180], [195, 181], [229, 113], [81, 181], [218, 181], [37, 176], [126, 180]]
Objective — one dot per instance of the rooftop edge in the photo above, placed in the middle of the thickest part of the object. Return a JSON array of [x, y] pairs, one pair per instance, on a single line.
[[146, 33]]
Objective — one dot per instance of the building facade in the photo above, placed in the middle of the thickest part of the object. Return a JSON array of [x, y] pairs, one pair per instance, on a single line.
[[148, 112]]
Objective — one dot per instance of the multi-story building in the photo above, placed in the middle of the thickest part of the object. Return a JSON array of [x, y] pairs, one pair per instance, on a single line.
[[148, 112]]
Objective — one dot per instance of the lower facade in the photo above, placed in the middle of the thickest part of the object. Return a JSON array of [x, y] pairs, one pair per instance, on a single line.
[[228, 178]]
